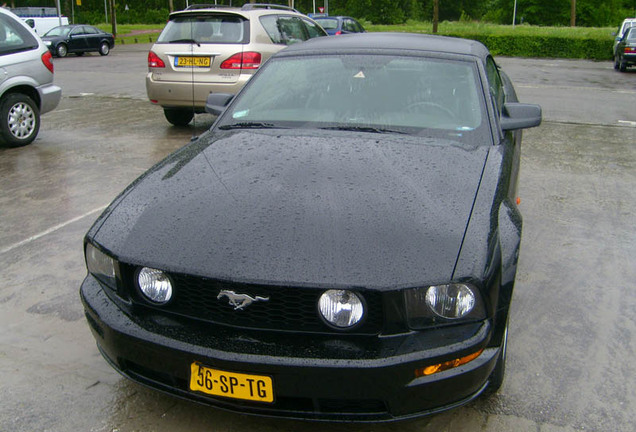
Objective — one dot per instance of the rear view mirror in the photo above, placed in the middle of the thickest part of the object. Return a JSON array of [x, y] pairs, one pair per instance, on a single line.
[[520, 116], [216, 102]]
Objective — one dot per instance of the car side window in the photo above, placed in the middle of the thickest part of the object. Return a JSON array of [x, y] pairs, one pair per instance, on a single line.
[[495, 85], [14, 37], [350, 26], [90, 30], [284, 30], [314, 30]]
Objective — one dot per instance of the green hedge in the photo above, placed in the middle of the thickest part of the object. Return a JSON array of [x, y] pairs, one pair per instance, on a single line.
[[544, 46], [594, 43]]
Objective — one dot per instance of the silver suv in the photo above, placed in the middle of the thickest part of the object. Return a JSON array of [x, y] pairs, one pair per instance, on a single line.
[[210, 49], [26, 81]]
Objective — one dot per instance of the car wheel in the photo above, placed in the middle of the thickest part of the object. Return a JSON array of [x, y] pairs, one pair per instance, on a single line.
[[104, 48], [616, 62], [178, 117], [19, 120], [622, 66], [61, 50], [497, 376]]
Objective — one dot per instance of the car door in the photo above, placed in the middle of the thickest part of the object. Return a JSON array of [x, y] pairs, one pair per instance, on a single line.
[[77, 40], [92, 37]]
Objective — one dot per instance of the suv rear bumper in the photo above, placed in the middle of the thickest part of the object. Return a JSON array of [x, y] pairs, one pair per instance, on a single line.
[[174, 94], [50, 96]]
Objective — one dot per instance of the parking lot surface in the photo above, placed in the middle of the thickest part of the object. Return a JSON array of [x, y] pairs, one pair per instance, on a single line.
[[573, 316]]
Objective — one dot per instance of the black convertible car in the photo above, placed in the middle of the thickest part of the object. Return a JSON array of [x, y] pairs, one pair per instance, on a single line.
[[341, 245]]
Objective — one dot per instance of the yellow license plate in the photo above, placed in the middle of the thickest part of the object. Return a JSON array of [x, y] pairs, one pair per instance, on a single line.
[[230, 384], [192, 61]]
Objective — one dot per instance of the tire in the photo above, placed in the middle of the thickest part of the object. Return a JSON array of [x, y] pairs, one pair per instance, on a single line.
[[497, 376], [622, 66], [178, 117], [61, 50], [616, 62], [19, 120], [104, 49]]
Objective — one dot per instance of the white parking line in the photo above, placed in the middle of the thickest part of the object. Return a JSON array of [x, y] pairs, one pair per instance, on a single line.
[[627, 123], [50, 230]]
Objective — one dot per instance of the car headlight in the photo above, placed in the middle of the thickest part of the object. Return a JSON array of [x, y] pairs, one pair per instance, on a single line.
[[341, 308], [155, 285], [451, 302], [100, 265]]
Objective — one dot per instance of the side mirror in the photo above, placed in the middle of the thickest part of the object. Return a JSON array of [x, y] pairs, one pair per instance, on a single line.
[[216, 102], [520, 116]]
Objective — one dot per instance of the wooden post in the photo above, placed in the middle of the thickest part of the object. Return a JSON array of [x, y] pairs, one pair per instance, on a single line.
[[435, 15], [573, 14]]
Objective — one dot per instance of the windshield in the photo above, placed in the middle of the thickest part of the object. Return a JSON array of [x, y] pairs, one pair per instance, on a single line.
[[58, 31], [218, 28], [374, 93]]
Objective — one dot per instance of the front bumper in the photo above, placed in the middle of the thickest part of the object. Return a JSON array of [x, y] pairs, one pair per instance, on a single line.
[[318, 377]]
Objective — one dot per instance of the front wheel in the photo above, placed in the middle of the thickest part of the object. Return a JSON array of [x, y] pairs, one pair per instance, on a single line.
[[19, 120], [178, 117], [104, 49], [61, 50]]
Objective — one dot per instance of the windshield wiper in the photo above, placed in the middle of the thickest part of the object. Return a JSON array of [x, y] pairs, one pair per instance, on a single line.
[[249, 125], [363, 129], [191, 41]]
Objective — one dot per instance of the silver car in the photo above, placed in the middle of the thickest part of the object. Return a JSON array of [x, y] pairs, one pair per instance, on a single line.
[[26, 81], [205, 50]]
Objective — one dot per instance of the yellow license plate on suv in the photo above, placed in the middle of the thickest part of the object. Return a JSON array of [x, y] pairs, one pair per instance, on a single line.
[[230, 384], [192, 61]]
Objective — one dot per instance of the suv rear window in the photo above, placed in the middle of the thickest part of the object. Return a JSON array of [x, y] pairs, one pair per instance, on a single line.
[[217, 28], [14, 37]]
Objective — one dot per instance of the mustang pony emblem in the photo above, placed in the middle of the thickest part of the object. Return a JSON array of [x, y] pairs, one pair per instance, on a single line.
[[240, 301]]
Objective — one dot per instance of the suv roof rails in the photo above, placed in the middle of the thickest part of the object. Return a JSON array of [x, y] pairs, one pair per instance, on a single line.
[[204, 6], [250, 6]]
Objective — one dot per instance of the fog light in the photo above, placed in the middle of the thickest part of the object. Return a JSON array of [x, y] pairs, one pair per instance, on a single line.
[[341, 308], [450, 301], [154, 285]]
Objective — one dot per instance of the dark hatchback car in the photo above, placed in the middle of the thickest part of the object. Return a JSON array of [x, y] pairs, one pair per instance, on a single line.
[[338, 25], [78, 39], [626, 50], [350, 262]]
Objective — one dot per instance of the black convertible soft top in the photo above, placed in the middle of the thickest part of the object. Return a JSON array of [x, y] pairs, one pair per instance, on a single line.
[[391, 41]]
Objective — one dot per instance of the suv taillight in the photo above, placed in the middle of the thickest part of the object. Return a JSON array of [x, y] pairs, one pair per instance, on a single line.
[[154, 61], [47, 59], [246, 60]]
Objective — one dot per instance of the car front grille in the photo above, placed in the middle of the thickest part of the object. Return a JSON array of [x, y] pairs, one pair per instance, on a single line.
[[286, 308]]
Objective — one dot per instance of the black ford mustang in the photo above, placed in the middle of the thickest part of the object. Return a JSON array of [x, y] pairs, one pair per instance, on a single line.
[[341, 245]]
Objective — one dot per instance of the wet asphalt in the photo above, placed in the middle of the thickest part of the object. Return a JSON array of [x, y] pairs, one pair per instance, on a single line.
[[570, 355]]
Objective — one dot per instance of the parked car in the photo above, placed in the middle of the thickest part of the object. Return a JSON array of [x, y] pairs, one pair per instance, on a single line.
[[626, 50], [627, 23], [26, 86], [78, 39], [210, 49], [341, 245], [337, 25]]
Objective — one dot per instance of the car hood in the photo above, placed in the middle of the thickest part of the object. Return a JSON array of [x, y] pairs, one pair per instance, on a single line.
[[278, 207]]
